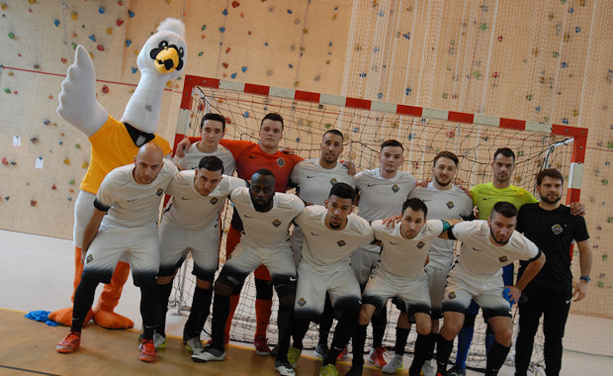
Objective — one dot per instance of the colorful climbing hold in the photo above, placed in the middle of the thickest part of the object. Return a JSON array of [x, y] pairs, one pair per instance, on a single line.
[[246, 114], [100, 47], [56, 23], [244, 69], [225, 12], [134, 70], [109, 30], [119, 22], [33, 202], [92, 37], [128, 42], [222, 29], [235, 4], [54, 187], [203, 28], [228, 50], [130, 13], [233, 75], [105, 89], [67, 162], [11, 35], [74, 16]]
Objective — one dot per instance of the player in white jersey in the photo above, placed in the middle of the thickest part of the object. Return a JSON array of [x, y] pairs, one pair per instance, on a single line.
[[382, 192], [314, 178], [212, 129], [487, 246], [190, 223], [266, 219], [443, 200], [124, 226], [400, 274], [331, 234]]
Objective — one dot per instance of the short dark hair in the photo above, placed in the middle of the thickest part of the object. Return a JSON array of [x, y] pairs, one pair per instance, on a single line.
[[551, 172], [211, 163], [336, 132], [446, 154], [415, 204], [342, 190], [274, 117], [505, 152], [391, 143], [215, 117], [264, 172], [505, 208]]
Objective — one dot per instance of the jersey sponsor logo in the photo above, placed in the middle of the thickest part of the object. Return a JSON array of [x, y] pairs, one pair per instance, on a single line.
[[214, 200], [90, 258], [301, 302], [557, 229], [310, 177], [341, 243], [503, 259], [281, 162], [333, 181], [160, 192], [421, 244], [450, 205], [276, 223], [451, 295], [395, 188]]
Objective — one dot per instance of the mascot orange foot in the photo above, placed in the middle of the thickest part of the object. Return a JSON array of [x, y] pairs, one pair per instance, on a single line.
[[103, 314]]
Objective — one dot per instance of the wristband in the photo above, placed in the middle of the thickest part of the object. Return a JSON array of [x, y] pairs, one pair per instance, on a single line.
[[585, 278]]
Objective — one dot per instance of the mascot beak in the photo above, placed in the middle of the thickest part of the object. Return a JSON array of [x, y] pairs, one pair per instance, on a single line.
[[167, 60]]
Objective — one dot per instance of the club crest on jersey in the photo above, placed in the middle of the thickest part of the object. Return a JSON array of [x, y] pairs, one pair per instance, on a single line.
[[503, 258], [451, 295], [281, 162], [160, 192], [557, 229], [450, 205], [301, 302], [90, 258], [333, 181], [214, 200], [421, 244], [276, 223], [341, 243], [395, 188]]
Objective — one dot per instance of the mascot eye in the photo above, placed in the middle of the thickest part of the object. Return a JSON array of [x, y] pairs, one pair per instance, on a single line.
[[163, 44], [181, 52]]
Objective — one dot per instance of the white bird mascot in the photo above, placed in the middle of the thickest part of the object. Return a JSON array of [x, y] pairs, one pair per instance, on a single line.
[[115, 143]]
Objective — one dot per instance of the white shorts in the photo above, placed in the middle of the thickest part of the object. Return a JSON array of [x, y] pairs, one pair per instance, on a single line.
[[137, 246], [412, 291], [279, 261], [437, 280], [83, 210], [175, 243], [485, 290], [364, 261], [340, 284]]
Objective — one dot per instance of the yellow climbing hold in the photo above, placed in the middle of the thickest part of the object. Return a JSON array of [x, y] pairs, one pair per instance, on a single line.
[[74, 16]]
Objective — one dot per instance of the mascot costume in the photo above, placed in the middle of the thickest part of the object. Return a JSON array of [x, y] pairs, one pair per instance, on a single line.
[[115, 143]]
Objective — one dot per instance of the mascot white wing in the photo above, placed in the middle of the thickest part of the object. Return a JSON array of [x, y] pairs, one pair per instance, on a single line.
[[78, 103]]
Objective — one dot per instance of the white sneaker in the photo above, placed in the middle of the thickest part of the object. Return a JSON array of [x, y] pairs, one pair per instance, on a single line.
[[284, 368], [427, 368], [209, 354], [394, 365], [194, 345]]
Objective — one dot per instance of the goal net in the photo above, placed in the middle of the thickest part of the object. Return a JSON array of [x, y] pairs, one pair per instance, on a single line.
[[365, 124]]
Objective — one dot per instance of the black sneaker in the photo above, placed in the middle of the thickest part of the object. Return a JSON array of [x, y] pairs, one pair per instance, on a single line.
[[322, 351]]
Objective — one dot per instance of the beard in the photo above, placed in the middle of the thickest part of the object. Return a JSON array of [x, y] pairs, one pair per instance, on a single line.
[[442, 184], [496, 240], [550, 201]]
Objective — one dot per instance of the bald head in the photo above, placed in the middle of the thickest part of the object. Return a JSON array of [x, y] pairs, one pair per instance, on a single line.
[[148, 163]]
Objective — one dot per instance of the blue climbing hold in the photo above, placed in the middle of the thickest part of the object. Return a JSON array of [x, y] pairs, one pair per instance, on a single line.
[[92, 37], [225, 12], [130, 13], [128, 42], [56, 23]]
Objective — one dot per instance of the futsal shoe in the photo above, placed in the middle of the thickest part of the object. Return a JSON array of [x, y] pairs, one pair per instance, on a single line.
[[394, 365], [284, 368], [209, 354], [456, 371], [261, 346], [293, 354], [354, 371], [321, 351], [194, 345], [70, 343], [328, 370], [376, 357], [147, 351], [343, 354], [427, 369]]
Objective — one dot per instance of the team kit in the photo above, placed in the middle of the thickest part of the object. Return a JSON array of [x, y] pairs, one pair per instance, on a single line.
[[339, 249]]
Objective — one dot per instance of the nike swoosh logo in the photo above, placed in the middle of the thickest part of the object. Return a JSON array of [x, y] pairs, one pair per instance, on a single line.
[[370, 185], [183, 198], [292, 279], [484, 199], [308, 177], [252, 156], [246, 216], [132, 200], [568, 301], [392, 243], [314, 234], [478, 250]]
